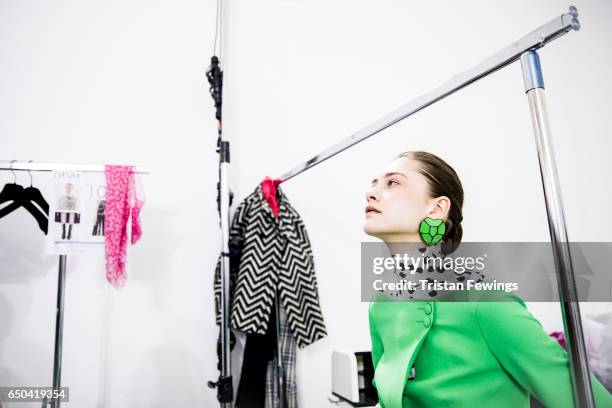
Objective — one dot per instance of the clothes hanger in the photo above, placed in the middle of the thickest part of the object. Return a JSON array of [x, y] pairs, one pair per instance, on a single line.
[[33, 194], [41, 218], [17, 194], [11, 191]]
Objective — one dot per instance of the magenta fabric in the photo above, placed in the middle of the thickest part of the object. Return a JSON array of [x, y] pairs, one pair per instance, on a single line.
[[268, 187], [121, 203], [560, 337]]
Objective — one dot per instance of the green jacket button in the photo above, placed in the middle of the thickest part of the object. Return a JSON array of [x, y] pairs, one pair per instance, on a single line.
[[427, 321], [428, 308]]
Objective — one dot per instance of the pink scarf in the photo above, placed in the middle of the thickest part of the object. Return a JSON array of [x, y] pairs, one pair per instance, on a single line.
[[120, 201]]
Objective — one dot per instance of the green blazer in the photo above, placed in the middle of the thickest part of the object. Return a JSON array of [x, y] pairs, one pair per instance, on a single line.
[[467, 354]]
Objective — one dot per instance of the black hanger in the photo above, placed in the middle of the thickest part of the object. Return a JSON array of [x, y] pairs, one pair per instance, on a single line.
[[10, 192], [41, 218], [33, 194], [23, 198]]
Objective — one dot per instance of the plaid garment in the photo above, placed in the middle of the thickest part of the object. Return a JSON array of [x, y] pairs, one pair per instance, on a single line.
[[288, 348]]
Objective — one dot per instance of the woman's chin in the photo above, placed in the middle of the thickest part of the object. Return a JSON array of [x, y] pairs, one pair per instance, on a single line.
[[372, 230]]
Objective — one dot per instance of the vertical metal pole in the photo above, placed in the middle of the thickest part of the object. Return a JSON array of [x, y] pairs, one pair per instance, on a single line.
[[225, 393], [226, 368], [226, 381], [59, 328], [568, 297], [280, 373]]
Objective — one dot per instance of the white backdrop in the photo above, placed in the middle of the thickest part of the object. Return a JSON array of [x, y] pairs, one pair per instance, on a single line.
[[123, 82]]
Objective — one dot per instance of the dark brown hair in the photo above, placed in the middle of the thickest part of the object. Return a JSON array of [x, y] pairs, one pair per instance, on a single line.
[[443, 181]]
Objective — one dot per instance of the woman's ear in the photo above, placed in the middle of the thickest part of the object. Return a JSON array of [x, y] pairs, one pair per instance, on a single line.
[[441, 208]]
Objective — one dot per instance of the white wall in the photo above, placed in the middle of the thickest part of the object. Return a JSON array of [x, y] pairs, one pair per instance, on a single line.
[[123, 82]]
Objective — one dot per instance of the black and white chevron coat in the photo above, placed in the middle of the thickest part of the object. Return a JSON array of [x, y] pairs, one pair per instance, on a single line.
[[267, 253]]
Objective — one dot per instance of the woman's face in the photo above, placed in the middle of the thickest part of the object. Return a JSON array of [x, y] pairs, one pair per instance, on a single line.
[[400, 194]]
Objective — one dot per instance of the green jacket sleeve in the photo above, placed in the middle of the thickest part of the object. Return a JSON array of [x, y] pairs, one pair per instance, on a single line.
[[377, 346], [533, 358]]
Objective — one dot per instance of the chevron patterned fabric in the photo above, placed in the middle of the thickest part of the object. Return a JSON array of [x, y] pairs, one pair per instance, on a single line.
[[270, 254]]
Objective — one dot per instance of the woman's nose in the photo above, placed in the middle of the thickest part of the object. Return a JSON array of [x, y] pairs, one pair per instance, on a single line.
[[371, 194]]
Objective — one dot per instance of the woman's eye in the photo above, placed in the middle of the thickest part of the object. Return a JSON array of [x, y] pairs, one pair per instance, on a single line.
[[391, 181]]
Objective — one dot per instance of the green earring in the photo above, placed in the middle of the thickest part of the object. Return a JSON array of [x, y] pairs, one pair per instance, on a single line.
[[432, 230]]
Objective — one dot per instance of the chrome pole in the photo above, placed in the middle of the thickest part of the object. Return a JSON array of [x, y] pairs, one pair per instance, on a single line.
[[568, 295], [506, 56], [226, 368], [226, 381], [59, 328]]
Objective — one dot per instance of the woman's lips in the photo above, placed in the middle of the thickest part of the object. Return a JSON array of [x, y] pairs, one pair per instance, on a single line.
[[371, 210]]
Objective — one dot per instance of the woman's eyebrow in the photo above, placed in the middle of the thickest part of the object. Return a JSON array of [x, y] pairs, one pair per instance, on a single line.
[[390, 174]]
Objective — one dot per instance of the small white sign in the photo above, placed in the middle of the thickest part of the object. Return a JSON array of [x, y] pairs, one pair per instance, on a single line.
[[76, 212]]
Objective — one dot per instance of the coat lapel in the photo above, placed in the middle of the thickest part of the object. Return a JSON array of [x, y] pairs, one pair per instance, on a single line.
[[402, 333]]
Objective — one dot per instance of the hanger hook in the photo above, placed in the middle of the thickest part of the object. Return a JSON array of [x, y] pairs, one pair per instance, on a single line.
[[30, 173], [14, 176]]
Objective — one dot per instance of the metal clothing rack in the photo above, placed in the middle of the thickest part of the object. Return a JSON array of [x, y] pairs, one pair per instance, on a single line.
[[525, 50], [63, 259]]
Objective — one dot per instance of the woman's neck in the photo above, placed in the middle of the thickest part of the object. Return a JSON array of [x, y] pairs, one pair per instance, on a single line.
[[404, 245]]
